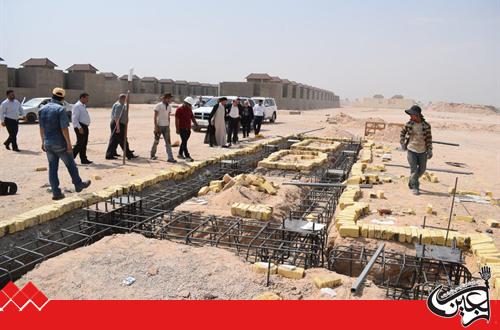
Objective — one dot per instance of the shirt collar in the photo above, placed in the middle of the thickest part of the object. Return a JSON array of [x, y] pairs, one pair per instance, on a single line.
[[56, 101]]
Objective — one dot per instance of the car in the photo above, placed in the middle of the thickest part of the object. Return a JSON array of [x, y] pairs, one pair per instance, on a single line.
[[201, 114], [271, 111], [31, 108]]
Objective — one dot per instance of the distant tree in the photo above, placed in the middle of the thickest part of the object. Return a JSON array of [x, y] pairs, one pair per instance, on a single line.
[[378, 96], [397, 97]]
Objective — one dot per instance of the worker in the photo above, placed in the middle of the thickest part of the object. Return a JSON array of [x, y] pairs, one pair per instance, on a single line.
[[217, 123], [416, 138], [81, 120], [11, 111], [258, 113], [183, 118], [119, 123], [233, 116], [161, 121], [56, 143], [246, 118]]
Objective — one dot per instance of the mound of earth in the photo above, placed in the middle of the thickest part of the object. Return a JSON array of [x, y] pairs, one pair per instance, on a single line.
[[168, 270], [462, 108]]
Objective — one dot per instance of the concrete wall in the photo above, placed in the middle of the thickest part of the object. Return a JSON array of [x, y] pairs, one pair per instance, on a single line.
[[3, 79], [306, 98]]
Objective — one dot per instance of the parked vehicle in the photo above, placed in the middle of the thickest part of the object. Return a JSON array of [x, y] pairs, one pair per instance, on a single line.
[[204, 100], [202, 114], [271, 108], [31, 108]]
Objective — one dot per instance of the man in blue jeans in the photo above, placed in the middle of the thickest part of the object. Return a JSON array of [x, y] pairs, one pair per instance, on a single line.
[[416, 138], [54, 123]]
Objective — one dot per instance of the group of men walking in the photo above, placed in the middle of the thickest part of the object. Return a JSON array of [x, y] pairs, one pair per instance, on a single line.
[[225, 120]]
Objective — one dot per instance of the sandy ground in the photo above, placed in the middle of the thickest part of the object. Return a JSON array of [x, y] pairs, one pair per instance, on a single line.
[[167, 270], [478, 136]]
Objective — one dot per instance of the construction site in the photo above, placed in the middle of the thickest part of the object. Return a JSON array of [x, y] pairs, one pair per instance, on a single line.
[[318, 207]]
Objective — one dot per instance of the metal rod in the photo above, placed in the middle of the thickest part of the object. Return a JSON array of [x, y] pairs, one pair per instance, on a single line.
[[447, 143], [433, 169], [362, 277], [323, 184], [451, 210]]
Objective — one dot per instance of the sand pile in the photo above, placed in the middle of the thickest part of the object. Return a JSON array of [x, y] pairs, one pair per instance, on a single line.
[[389, 134], [462, 108], [286, 198], [343, 119], [167, 270]]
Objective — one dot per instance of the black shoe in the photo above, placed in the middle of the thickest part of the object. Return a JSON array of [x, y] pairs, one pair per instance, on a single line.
[[181, 157], [86, 162], [85, 185], [16, 150], [132, 157], [6, 146], [154, 158], [117, 155], [173, 161], [111, 158], [189, 159], [58, 197]]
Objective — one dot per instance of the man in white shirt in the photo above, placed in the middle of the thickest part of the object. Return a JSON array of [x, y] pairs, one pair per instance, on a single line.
[[81, 120], [233, 115], [10, 112], [258, 116], [161, 120]]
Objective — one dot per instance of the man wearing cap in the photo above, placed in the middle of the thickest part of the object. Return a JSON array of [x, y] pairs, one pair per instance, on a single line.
[[416, 138], [10, 111], [81, 120], [56, 143], [161, 122], [183, 118], [119, 121]]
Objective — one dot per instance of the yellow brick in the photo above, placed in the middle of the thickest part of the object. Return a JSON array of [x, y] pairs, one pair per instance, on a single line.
[[466, 218], [268, 295], [327, 281], [402, 234], [96, 177], [380, 194], [346, 230], [354, 180], [226, 178], [203, 191], [290, 271], [41, 169], [263, 268]]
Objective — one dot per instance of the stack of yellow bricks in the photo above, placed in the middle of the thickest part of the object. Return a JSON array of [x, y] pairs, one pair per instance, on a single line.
[[308, 160], [257, 212], [487, 254], [345, 220], [326, 145], [252, 181], [56, 209]]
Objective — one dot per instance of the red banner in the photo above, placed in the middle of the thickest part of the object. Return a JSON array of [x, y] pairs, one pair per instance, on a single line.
[[235, 315]]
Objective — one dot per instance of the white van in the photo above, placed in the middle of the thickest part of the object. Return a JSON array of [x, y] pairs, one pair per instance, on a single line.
[[271, 108]]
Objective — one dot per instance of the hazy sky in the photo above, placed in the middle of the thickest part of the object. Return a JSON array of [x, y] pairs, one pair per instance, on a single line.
[[426, 50]]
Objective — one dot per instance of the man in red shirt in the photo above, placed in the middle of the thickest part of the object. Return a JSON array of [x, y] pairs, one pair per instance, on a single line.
[[183, 118]]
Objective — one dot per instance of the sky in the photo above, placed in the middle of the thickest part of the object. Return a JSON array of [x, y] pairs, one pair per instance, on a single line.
[[426, 50]]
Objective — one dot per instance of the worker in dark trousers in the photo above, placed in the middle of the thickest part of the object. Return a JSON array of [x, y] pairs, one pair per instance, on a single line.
[[119, 122], [10, 112], [233, 116], [416, 138], [258, 116], [183, 119], [81, 120], [246, 118]]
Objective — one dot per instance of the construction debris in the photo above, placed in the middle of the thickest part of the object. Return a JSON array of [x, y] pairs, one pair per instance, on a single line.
[[257, 212], [254, 181]]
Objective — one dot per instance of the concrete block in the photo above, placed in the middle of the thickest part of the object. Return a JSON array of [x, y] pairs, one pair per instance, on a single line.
[[466, 218], [263, 268], [347, 230], [203, 191], [290, 271], [327, 281]]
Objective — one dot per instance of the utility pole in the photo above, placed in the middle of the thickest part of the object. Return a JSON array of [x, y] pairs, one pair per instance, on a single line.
[[125, 145]]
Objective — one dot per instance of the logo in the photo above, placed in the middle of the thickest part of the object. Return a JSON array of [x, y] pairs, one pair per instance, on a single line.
[[471, 300], [29, 294]]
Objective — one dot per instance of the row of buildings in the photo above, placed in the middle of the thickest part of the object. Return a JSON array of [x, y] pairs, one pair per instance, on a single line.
[[37, 77]]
